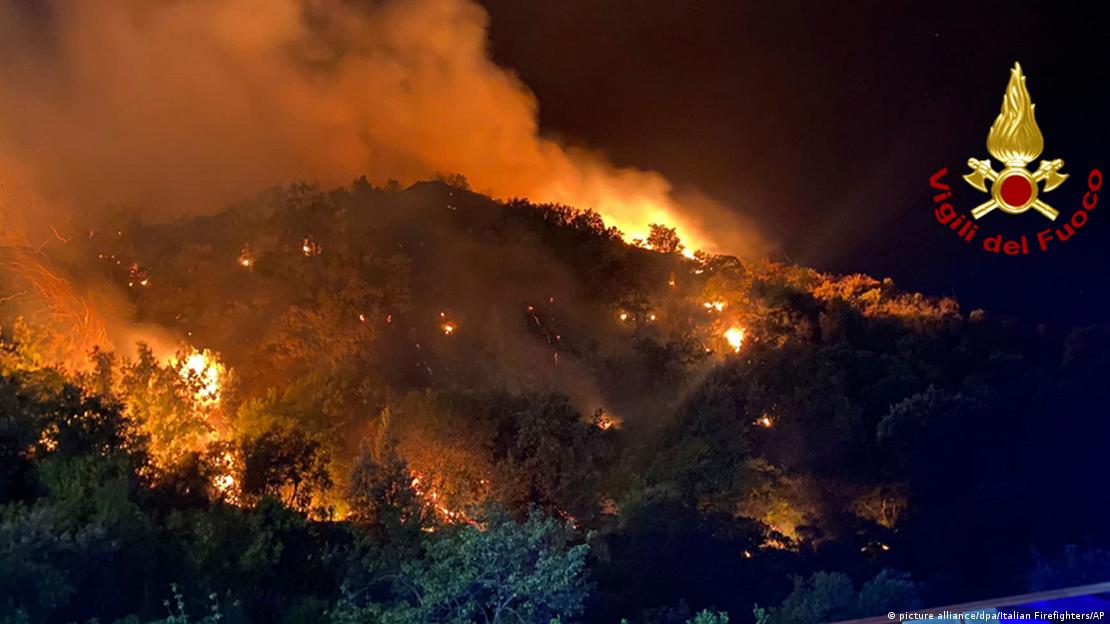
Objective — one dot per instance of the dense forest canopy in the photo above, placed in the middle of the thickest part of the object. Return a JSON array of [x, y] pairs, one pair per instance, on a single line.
[[393, 405]]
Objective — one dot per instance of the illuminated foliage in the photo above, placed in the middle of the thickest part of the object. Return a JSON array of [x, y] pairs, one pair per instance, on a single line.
[[521, 451], [388, 361], [664, 239], [170, 405]]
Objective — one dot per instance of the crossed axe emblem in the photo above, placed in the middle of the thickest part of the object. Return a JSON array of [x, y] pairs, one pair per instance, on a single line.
[[1014, 189], [1016, 140]]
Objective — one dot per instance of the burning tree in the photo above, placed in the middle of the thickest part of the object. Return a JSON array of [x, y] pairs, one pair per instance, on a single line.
[[664, 239], [175, 405]]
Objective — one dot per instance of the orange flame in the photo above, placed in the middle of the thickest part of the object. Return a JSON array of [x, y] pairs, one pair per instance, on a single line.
[[735, 338], [205, 373]]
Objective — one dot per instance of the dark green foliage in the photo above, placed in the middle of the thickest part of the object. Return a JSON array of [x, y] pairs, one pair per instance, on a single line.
[[709, 617], [826, 597], [504, 572], [284, 464], [546, 455], [76, 478], [380, 495]]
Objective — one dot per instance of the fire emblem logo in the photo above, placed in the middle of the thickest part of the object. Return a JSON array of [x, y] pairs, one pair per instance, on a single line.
[[1015, 140]]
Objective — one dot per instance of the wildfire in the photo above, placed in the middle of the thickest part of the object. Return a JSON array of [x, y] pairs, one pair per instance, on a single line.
[[433, 501], [48, 438], [623, 316], [136, 275], [224, 481], [775, 543], [310, 248], [764, 421], [65, 315], [714, 305], [204, 373], [446, 325], [735, 338], [604, 420]]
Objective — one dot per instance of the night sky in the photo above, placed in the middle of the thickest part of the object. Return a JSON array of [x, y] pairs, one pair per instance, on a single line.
[[824, 123]]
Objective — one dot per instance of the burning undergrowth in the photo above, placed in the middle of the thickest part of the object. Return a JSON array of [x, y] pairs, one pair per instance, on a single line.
[[377, 357], [327, 307], [318, 311], [434, 287]]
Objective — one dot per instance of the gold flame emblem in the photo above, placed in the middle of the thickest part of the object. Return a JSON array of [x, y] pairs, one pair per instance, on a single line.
[[1015, 140]]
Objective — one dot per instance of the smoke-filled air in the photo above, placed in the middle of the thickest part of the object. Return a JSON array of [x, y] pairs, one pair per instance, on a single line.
[[304, 319], [178, 107]]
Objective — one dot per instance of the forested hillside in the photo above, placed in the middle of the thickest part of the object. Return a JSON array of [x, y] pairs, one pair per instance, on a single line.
[[391, 405]]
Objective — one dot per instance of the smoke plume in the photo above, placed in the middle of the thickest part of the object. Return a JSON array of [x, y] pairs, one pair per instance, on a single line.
[[176, 107]]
